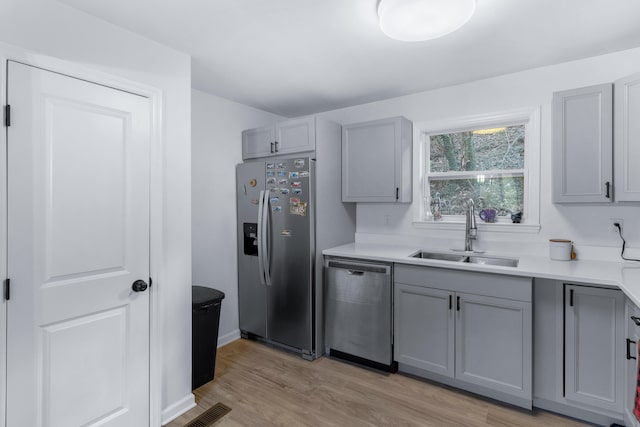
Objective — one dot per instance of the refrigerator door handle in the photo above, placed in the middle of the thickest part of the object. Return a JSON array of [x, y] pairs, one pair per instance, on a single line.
[[260, 238], [266, 261]]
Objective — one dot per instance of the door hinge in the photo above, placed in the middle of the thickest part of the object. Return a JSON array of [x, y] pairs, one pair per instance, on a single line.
[[7, 289], [7, 115]]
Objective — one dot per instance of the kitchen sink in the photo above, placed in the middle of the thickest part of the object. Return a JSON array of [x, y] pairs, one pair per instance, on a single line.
[[439, 256], [504, 262], [470, 259]]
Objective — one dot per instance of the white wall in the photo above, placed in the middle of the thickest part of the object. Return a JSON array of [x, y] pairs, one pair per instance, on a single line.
[[216, 126], [50, 28], [588, 226]]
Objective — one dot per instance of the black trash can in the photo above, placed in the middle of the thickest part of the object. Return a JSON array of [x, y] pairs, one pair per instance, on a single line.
[[206, 304]]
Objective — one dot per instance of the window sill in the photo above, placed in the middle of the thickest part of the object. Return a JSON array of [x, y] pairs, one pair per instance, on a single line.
[[498, 227]]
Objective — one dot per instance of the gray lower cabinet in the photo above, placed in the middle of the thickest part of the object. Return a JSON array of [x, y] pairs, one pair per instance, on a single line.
[[493, 343], [579, 351], [632, 317], [467, 329], [424, 328], [594, 346]]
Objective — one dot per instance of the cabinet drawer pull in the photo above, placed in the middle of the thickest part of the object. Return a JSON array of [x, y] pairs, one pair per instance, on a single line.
[[571, 297], [636, 320], [629, 356]]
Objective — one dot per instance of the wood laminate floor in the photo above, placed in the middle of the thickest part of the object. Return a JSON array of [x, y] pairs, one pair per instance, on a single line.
[[269, 387]]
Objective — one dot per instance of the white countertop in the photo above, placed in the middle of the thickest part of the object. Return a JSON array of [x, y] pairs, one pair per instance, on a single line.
[[622, 274]]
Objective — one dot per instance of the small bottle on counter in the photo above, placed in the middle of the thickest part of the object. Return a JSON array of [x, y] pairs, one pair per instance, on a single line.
[[435, 208]]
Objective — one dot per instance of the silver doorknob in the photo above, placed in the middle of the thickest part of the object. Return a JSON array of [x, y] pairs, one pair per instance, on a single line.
[[139, 286]]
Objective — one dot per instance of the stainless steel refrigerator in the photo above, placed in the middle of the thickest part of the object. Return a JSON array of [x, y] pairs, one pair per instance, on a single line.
[[289, 210]]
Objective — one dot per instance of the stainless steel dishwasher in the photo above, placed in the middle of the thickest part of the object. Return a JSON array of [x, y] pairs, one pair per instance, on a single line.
[[358, 312]]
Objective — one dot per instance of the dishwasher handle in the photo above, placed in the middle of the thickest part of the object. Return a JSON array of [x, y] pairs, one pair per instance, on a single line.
[[359, 269], [355, 272]]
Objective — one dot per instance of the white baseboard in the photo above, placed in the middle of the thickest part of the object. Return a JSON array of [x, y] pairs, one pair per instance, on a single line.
[[183, 405], [178, 408], [227, 338]]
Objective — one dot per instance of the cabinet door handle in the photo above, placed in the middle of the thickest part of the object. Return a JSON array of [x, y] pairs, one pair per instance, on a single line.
[[397, 193], [636, 320], [276, 145], [570, 297], [608, 187], [457, 303], [629, 356], [272, 147], [450, 302]]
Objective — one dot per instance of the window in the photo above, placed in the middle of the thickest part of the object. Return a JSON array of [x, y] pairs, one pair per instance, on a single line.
[[486, 160]]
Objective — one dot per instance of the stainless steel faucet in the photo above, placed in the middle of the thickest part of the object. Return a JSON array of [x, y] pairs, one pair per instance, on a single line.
[[471, 232]]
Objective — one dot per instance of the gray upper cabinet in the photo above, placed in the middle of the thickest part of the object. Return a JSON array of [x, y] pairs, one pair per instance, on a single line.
[[583, 145], [596, 140], [627, 139], [594, 345], [291, 136], [258, 142], [376, 161]]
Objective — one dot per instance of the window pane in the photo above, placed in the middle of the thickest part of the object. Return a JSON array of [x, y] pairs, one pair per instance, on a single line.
[[478, 150], [504, 194]]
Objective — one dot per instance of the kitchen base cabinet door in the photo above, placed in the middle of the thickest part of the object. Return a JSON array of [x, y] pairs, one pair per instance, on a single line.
[[632, 319], [493, 343], [424, 328], [594, 345]]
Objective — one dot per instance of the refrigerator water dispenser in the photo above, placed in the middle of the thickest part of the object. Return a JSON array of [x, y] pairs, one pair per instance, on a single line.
[[250, 238]]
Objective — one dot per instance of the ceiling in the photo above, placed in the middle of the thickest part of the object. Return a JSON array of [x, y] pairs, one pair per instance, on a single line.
[[299, 57]]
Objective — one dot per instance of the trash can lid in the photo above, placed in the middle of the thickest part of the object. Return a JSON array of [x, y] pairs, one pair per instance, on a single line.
[[203, 295]]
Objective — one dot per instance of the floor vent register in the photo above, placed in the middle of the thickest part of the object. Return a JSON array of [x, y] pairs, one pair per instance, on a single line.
[[210, 416]]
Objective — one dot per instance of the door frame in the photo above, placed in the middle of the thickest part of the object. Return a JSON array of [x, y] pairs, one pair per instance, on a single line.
[[156, 192]]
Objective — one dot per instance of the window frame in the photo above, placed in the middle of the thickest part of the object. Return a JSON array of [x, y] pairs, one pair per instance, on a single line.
[[530, 117]]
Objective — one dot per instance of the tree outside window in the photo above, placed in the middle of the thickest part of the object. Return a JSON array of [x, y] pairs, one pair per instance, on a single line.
[[486, 165]]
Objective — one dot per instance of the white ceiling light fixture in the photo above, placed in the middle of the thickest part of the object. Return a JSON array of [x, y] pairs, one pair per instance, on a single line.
[[418, 20]]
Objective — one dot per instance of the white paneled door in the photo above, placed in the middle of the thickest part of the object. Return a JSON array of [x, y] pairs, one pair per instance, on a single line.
[[78, 240]]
